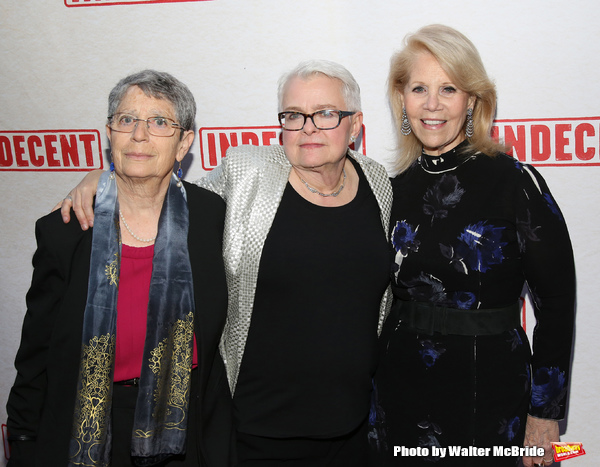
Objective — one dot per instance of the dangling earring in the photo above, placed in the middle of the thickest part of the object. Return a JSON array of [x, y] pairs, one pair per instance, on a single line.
[[405, 128], [112, 171], [179, 175], [470, 127]]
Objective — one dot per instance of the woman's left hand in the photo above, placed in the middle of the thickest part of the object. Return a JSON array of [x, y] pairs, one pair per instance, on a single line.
[[540, 433]]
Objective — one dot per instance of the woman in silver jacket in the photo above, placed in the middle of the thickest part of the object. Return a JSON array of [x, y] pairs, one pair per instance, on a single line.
[[307, 264]]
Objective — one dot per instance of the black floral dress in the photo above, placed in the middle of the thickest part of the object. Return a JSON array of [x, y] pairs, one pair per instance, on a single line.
[[468, 231]]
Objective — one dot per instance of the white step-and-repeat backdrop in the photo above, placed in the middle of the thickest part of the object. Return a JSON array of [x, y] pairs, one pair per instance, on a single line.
[[60, 58]]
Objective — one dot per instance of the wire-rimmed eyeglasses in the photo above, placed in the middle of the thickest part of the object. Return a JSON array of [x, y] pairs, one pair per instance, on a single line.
[[157, 126], [322, 119]]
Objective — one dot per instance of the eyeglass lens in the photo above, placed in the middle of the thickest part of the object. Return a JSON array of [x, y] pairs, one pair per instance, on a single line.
[[323, 119], [157, 126]]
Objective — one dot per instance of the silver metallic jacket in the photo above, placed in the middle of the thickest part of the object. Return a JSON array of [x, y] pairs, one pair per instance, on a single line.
[[251, 179]]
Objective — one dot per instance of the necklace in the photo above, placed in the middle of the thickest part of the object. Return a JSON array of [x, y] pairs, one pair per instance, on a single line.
[[429, 166], [314, 190], [143, 240], [446, 162]]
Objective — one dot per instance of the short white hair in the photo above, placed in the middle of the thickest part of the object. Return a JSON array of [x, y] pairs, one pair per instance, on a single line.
[[307, 69]]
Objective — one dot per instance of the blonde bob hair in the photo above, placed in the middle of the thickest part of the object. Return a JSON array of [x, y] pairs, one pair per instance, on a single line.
[[459, 58]]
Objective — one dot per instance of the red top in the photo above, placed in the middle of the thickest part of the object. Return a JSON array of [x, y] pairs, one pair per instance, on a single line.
[[132, 308]]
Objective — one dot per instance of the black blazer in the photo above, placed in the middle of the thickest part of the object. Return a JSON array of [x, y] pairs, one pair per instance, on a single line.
[[41, 403]]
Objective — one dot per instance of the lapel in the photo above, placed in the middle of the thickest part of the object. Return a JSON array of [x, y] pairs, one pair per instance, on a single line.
[[381, 187], [261, 201]]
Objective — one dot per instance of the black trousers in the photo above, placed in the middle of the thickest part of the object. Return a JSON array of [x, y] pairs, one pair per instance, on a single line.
[[123, 411]]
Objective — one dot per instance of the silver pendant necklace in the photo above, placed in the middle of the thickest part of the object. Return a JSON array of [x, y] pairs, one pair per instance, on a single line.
[[325, 195]]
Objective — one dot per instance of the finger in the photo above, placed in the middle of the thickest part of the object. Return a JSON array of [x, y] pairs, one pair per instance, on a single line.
[[79, 209], [87, 201], [83, 198], [539, 462], [548, 458], [529, 461], [65, 208]]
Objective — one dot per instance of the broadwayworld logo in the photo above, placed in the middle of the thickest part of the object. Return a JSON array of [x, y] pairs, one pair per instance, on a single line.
[[50, 150], [564, 451], [72, 3]]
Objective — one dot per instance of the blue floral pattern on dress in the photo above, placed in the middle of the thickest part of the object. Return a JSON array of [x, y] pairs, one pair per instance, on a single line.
[[463, 300], [425, 288], [404, 239], [547, 391], [483, 227], [510, 428], [480, 246], [443, 196], [430, 352], [429, 438], [553, 206], [526, 231], [514, 340], [377, 431]]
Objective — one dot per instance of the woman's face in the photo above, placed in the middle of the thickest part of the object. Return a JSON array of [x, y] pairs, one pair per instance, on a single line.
[[435, 107], [139, 155], [311, 147]]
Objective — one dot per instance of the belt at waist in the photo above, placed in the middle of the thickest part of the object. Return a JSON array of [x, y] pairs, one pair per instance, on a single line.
[[427, 318], [136, 381]]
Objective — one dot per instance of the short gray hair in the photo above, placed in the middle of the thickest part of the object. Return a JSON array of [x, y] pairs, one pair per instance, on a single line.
[[305, 70], [159, 85]]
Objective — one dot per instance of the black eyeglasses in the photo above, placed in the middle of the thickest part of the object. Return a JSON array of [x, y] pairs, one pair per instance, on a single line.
[[157, 126], [322, 119]]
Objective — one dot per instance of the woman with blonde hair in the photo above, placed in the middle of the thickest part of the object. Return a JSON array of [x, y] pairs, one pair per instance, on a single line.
[[470, 226]]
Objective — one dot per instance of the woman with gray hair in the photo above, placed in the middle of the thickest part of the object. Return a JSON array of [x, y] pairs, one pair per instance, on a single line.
[[118, 363], [307, 265], [470, 226]]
